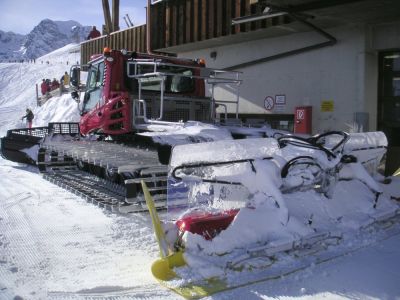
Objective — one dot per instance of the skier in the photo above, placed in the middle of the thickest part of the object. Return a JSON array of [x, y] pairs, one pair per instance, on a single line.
[[94, 33], [29, 117]]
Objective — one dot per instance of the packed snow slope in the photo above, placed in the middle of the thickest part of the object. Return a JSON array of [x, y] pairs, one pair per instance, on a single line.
[[54, 245], [18, 91]]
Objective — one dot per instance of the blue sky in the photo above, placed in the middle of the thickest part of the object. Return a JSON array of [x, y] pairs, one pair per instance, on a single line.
[[21, 16]]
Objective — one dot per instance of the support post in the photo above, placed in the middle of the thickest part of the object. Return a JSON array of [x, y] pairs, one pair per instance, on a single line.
[[115, 15], [107, 16]]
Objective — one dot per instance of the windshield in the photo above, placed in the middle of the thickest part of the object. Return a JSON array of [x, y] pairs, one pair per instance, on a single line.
[[179, 83]]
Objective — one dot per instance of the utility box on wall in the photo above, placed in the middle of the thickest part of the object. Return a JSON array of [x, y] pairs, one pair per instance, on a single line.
[[303, 119]]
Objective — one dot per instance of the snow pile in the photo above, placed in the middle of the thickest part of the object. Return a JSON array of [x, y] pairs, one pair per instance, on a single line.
[[268, 218], [223, 151], [189, 132], [59, 109]]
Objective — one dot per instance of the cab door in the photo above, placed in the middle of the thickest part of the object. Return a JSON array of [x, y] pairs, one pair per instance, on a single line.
[[93, 105]]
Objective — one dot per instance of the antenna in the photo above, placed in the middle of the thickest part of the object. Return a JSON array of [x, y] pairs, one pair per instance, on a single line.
[[126, 22], [129, 19]]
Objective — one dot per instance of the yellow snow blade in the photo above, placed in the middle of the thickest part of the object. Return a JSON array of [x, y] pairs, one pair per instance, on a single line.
[[397, 173], [162, 268], [197, 291], [158, 229]]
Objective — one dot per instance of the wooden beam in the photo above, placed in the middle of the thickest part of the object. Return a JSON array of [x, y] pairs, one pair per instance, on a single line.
[[228, 21], [107, 16], [247, 12], [237, 14], [219, 18], [174, 22], [181, 25], [115, 15], [134, 39], [154, 22], [168, 25], [143, 38], [203, 34], [129, 40], [256, 9], [188, 21], [211, 21], [196, 20], [161, 41], [140, 37]]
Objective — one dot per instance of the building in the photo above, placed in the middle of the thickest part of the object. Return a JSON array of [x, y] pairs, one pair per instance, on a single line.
[[339, 58]]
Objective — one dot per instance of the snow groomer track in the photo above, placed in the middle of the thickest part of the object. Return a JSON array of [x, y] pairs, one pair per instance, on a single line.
[[104, 172]]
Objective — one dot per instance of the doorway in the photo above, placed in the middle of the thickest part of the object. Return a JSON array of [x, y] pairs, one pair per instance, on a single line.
[[389, 96], [389, 105]]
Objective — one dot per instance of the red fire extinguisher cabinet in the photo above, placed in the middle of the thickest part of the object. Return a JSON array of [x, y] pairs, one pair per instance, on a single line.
[[303, 119]]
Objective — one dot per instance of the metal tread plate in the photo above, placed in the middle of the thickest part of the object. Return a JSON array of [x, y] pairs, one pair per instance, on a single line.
[[104, 154], [96, 190]]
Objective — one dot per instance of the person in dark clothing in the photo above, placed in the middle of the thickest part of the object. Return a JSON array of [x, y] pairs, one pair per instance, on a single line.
[[29, 117], [43, 87], [55, 84], [48, 85], [94, 33]]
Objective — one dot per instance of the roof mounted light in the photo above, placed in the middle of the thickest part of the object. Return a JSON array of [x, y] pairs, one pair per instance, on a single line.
[[106, 51], [201, 62]]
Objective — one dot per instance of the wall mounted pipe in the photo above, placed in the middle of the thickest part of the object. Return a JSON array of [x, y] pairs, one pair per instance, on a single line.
[[330, 42]]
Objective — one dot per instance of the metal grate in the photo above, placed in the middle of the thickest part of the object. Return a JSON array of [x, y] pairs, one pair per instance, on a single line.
[[64, 128], [36, 131], [179, 110], [202, 111]]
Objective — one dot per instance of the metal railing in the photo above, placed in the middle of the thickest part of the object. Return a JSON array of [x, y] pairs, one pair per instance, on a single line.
[[161, 71]]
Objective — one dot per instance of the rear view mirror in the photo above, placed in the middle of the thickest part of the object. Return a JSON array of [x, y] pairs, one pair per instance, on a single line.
[[75, 96], [75, 76]]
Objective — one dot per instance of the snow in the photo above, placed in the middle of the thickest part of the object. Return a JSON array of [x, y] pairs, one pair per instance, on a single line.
[[18, 92], [177, 134], [54, 245], [270, 219]]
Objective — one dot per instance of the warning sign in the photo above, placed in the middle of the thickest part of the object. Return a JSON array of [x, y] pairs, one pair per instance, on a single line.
[[300, 114], [327, 106], [269, 103]]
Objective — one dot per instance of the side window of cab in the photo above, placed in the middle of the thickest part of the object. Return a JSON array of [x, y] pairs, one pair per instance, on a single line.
[[94, 86], [96, 74]]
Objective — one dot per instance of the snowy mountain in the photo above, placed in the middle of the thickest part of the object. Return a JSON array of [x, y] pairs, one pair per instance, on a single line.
[[9, 43], [47, 36]]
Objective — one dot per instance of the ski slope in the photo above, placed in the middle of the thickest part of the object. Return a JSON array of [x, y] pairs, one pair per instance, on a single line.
[[54, 245]]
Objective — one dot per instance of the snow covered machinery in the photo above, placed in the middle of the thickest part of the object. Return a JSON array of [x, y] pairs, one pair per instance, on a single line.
[[269, 207], [135, 107]]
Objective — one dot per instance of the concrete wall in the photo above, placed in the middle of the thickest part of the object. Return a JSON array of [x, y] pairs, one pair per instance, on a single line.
[[345, 74]]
